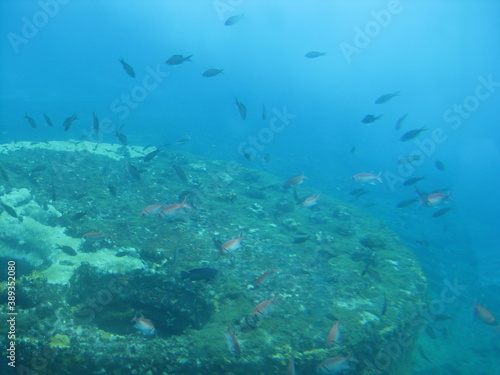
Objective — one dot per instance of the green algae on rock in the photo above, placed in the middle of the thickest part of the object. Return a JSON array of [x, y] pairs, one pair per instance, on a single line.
[[352, 267]]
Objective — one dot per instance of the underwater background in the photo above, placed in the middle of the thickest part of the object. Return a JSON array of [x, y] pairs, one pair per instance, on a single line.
[[286, 88]]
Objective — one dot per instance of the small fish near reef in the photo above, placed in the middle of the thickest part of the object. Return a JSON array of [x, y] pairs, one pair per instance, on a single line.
[[484, 315], [151, 210], [232, 343], [171, 211], [385, 98], [122, 138], [433, 199], [309, 202], [290, 370], [314, 54], [442, 211], [151, 155], [241, 108], [369, 119], [177, 59], [211, 72], [133, 172], [30, 121], [335, 365], [48, 120], [93, 236], [145, 326], [406, 202], [367, 178], [128, 69], [264, 308], [112, 189], [301, 240], [95, 123], [262, 278], [180, 173], [197, 274], [293, 181], [68, 250], [232, 245], [333, 335], [69, 121], [12, 212]]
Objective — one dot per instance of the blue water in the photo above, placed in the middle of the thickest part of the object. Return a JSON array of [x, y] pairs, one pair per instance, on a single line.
[[437, 54]]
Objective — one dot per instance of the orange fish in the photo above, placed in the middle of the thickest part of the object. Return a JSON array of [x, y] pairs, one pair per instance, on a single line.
[[367, 178], [484, 315], [232, 343], [335, 365], [309, 201], [334, 335], [295, 180], [93, 236], [435, 199], [232, 245], [290, 370], [173, 210], [264, 308], [260, 280], [152, 210], [144, 325]]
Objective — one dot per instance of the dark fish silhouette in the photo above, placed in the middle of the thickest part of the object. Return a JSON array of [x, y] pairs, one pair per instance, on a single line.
[[177, 59], [439, 165], [368, 119], [30, 121], [385, 98], [68, 250], [180, 173], [384, 306], [211, 72], [233, 19], [122, 138], [4, 174], [407, 202], [197, 274], [409, 135], [300, 240], [151, 155], [242, 109], [48, 120], [442, 211], [400, 121], [95, 122], [128, 68], [133, 171], [78, 215], [112, 190], [9, 210], [413, 181], [69, 121], [314, 54]]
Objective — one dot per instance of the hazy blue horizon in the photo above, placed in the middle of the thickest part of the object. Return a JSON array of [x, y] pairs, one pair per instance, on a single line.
[[435, 54]]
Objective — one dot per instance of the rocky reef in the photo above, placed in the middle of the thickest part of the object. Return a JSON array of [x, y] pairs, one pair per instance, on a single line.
[[324, 263]]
